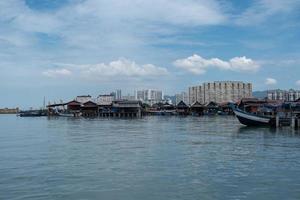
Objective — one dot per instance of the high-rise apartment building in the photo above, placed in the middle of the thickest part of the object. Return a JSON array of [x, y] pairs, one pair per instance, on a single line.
[[283, 95], [118, 94], [149, 96], [183, 96], [105, 99], [219, 92]]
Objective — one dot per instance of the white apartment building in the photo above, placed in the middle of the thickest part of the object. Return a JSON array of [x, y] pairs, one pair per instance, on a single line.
[[119, 94], [196, 93], [219, 92], [183, 96], [105, 99], [283, 95], [129, 97], [149, 96]]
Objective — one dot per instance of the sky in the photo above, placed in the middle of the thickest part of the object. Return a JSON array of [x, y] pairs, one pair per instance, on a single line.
[[59, 49]]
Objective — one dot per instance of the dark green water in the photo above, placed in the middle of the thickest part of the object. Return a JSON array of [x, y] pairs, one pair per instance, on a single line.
[[150, 158]]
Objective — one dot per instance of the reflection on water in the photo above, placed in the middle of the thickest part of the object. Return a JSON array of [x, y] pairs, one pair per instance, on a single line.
[[148, 158]]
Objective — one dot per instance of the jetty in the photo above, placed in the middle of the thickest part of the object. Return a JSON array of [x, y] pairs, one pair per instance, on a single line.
[[9, 110]]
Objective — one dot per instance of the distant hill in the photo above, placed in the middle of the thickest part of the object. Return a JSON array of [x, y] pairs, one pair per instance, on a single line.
[[260, 94]]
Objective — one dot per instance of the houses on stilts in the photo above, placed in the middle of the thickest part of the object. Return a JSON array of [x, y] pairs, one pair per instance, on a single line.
[[104, 106], [122, 108], [280, 113]]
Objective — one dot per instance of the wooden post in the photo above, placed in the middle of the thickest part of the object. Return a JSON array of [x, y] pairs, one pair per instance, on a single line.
[[277, 121], [293, 122]]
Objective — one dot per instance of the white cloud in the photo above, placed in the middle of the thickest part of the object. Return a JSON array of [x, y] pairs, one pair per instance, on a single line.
[[261, 10], [57, 72], [103, 18], [199, 65], [189, 12], [90, 29], [131, 24], [119, 69], [123, 67], [298, 83], [270, 81], [21, 17]]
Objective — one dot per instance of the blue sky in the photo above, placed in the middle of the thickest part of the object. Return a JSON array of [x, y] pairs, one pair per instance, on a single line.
[[63, 48]]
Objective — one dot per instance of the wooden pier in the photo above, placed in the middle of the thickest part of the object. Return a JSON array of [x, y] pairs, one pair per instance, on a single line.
[[293, 122]]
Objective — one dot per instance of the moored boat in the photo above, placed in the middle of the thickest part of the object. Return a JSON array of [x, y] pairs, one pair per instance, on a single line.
[[250, 119], [65, 114], [33, 113]]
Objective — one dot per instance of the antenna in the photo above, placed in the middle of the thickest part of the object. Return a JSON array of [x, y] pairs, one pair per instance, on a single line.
[[44, 103]]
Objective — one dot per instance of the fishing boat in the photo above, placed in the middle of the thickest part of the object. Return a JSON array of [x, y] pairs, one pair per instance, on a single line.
[[162, 112], [65, 114], [251, 119], [33, 113]]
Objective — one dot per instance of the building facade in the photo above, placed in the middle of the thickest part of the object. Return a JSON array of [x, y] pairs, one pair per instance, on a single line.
[[283, 95], [219, 92], [119, 94], [196, 94], [105, 99], [183, 96], [129, 97], [149, 96], [83, 98]]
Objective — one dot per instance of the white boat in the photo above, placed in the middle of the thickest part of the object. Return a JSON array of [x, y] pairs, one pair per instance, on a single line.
[[65, 114]]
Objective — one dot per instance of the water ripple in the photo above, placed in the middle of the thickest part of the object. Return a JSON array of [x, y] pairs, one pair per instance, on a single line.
[[149, 158]]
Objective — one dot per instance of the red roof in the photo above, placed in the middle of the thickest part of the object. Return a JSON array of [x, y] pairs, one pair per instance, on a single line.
[[73, 103], [90, 104]]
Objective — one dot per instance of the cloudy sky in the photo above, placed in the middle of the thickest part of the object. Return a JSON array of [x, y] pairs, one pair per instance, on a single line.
[[61, 48]]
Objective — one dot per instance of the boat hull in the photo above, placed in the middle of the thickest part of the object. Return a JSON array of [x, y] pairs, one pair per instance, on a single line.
[[250, 119], [66, 114], [32, 113]]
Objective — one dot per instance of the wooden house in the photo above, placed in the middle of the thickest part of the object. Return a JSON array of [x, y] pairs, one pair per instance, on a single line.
[[89, 109], [182, 108], [197, 109]]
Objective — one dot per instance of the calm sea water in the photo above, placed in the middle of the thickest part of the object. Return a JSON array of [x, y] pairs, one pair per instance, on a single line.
[[150, 158]]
